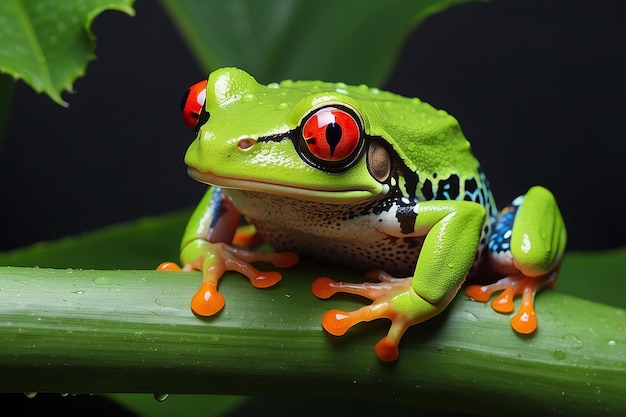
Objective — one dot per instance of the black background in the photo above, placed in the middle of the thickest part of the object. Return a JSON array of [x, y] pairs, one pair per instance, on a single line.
[[538, 86]]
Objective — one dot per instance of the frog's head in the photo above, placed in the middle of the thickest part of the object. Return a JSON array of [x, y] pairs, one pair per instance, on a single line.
[[312, 140]]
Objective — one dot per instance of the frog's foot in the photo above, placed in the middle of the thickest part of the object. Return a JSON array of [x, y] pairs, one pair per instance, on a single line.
[[525, 321], [217, 258], [392, 298]]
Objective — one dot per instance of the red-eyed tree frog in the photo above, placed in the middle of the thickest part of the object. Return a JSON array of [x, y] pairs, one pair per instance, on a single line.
[[363, 178]]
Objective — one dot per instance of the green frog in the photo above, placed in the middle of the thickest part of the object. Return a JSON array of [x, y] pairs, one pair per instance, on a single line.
[[363, 178]]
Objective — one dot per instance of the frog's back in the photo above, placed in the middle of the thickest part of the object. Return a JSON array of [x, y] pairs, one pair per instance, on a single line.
[[428, 140], [436, 159]]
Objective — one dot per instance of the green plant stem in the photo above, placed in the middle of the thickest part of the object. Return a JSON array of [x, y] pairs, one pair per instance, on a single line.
[[83, 331]]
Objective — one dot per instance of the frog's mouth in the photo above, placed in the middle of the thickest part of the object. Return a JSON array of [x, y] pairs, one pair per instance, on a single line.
[[318, 195]]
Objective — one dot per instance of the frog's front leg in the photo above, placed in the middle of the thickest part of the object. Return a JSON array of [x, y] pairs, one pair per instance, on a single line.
[[206, 246], [452, 232], [526, 246]]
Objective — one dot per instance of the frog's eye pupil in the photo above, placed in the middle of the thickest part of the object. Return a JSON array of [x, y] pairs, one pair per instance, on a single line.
[[332, 135]]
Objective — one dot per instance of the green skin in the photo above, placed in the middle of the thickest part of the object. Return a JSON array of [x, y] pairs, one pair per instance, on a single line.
[[248, 148]]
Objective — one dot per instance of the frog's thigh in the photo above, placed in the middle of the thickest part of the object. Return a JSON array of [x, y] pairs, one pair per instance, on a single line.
[[538, 235], [449, 249]]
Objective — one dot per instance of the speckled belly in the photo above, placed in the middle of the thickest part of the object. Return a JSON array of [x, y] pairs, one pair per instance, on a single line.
[[339, 234]]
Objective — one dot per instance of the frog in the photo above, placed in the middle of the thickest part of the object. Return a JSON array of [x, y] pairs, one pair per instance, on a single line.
[[362, 178]]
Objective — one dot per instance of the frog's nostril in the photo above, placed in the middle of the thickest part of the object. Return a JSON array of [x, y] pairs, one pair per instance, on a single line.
[[245, 143]]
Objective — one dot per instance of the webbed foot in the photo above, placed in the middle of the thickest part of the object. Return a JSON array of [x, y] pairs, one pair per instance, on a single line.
[[392, 298], [525, 320], [217, 258]]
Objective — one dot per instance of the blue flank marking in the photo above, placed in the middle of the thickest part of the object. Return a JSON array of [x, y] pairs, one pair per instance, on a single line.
[[216, 205], [500, 239], [445, 193], [476, 196]]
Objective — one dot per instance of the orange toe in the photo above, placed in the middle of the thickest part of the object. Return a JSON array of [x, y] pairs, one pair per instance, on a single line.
[[323, 288], [337, 322], [207, 301], [525, 321], [168, 266], [387, 350]]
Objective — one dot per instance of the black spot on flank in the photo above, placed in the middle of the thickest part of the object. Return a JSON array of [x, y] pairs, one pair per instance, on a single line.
[[406, 216], [411, 179], [427, 190], [448, 189], [379, 207], [470, 186]]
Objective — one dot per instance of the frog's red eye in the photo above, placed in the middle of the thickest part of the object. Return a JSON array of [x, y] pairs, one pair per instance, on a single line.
[[192, 104], [332, 137]]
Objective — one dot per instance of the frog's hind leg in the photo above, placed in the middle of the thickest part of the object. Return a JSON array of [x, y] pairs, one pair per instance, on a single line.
[[526, 246]]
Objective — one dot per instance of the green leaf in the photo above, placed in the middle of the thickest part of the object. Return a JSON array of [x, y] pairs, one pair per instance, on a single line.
[[595, 276], [140, 244], [48, 43], [98, 331], [300, 39], [132, 331]]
